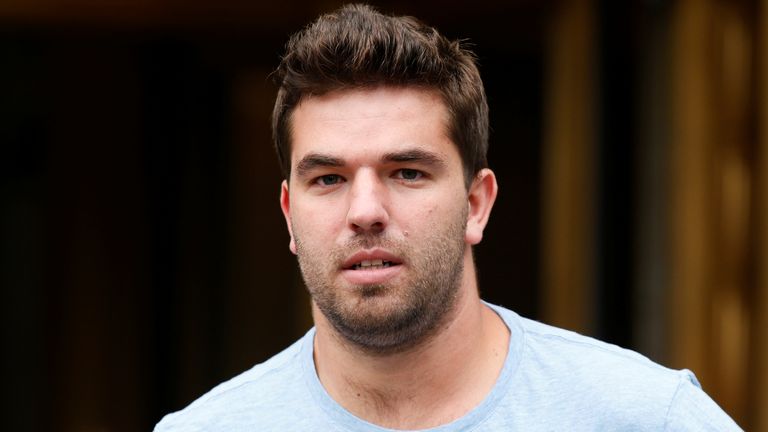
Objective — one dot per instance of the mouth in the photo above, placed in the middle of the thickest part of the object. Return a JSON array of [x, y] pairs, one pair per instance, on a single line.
[[371, 260], [373, 264], [364, 269]]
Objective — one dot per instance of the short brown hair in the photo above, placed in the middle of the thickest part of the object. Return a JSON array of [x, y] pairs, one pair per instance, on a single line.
[[358, 47]]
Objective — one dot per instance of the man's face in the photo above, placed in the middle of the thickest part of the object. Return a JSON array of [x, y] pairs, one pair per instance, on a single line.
[[377, 210]]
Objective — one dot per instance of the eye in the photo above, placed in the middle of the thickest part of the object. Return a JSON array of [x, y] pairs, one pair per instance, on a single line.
[[410, 174], [328, 180]]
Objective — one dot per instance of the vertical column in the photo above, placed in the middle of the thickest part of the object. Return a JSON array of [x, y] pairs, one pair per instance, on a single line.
[[733, 170], [711, 179], [690, 215], [759, 339], [568, 169], [651, 159]]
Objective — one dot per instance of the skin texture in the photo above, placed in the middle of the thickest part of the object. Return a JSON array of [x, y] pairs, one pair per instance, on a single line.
[[375, 177]]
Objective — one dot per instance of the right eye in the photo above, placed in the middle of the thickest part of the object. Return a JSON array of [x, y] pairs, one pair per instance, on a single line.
[[328, 180]]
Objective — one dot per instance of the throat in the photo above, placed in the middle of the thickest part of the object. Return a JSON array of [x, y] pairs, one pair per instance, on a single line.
[[417, 405], [425, 387]]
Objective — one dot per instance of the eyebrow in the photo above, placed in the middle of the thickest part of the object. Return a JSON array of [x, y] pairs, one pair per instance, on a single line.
[[316, 160], [415, 155]]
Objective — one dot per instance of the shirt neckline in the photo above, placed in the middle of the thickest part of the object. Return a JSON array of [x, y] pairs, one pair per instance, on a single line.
[[345, 419]]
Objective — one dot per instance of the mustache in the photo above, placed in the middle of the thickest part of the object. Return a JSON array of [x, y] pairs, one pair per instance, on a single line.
[[372, 240], [369, 241], [339, 253]]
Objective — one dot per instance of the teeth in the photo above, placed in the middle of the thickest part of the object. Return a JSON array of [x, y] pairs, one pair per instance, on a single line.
[[371, 264]]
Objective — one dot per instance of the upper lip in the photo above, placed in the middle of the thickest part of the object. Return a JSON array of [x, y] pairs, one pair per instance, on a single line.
[[368, 255]]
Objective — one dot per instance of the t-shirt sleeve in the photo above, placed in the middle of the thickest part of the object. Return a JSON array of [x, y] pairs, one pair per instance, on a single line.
[[691, 409]]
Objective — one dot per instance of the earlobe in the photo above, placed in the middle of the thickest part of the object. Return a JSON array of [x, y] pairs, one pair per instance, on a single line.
[[285, 205], [482, 195]]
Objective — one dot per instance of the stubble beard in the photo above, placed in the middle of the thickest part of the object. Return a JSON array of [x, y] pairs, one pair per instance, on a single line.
[[392, 317]]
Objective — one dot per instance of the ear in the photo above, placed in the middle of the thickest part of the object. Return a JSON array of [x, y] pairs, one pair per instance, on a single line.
[[285, 205], [481, 196]]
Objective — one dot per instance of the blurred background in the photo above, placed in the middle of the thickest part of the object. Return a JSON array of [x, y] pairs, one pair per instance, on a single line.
[[143, 256]]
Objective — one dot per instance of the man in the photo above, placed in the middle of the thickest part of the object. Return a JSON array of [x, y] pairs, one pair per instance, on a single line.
[[381, 128]]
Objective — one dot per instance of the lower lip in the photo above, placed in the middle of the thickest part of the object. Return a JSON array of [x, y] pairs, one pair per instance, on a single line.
[[371, 276]]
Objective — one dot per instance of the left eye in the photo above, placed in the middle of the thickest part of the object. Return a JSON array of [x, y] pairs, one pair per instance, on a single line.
[[410, 174], [328, 180]]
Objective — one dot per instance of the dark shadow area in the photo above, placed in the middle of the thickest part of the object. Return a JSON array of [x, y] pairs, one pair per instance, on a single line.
[[144, 257]]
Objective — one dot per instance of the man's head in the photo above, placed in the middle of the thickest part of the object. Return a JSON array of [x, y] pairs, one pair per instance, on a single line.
[[382, 203], [357, 47]]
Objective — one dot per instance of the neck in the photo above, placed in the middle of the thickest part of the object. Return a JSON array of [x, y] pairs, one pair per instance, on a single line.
[[430, 384]]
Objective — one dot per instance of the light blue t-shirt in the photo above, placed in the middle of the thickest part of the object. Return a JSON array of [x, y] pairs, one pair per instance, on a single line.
[[552, 380]]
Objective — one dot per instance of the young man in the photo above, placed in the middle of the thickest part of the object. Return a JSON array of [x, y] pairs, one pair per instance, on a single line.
[[381, 127]]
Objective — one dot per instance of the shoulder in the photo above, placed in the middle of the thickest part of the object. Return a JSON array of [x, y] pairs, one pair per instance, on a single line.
[[547, 350], [264, 392], [558, 348], [603, 385], [594, 376]]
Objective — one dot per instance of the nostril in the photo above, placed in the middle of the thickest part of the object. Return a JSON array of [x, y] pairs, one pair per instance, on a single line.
[[376, 227]]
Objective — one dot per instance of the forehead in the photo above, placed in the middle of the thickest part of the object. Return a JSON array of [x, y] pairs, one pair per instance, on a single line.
[[376, 120]]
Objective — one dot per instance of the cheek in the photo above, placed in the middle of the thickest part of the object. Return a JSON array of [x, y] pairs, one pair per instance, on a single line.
[[426, 216], [315, 223]]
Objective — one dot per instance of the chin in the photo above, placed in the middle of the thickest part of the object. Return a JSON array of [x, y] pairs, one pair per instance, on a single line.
[[379, 323]]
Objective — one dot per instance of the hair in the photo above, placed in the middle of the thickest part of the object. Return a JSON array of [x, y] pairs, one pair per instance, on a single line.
[[358, 47]]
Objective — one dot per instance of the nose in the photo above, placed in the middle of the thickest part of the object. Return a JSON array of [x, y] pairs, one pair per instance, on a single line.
[[367, 204]]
